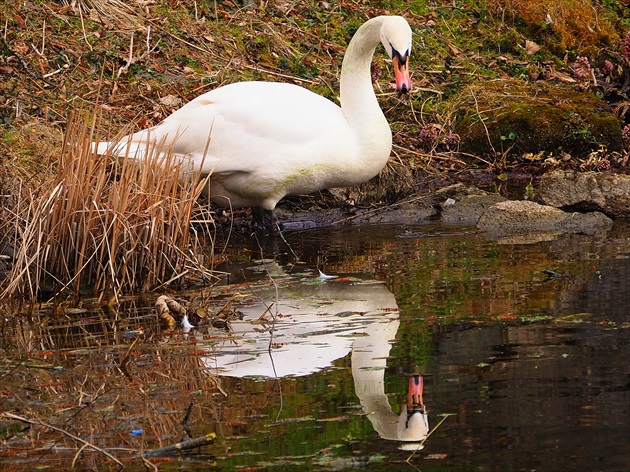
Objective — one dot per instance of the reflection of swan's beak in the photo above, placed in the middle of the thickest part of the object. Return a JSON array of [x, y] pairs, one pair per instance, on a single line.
[[414, 395], [413, 423]]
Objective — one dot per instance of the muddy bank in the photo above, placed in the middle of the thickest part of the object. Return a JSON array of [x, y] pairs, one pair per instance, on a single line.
[[560, 202]]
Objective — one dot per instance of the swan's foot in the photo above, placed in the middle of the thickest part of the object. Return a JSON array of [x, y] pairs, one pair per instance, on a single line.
[[265, 221]]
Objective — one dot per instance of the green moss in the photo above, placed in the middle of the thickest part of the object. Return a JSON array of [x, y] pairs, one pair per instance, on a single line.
[[501, 116]]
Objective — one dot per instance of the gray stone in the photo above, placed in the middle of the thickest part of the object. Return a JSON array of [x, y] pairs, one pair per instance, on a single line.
[[530, 217], [587, 191], [467, 209], [411, 212]]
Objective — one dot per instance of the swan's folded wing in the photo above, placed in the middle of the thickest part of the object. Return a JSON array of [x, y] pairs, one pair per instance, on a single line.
[[246, 121]]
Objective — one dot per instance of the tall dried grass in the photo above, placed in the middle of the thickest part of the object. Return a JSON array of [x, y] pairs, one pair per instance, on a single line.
[[106, 225], [117, 11], [576, 25]]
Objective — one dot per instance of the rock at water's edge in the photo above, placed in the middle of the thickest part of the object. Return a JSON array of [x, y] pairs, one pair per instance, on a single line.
[[587, 191], [527, 216]]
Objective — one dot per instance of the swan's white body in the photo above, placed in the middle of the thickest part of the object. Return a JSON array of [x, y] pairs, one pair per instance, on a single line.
[[261, 141]]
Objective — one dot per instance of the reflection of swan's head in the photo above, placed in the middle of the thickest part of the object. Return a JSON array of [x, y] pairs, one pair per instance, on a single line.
[[319, 324], [369, 361], [413, 422], [414, 395]]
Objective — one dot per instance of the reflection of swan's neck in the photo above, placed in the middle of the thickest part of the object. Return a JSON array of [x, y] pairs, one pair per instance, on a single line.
[[369, 359]]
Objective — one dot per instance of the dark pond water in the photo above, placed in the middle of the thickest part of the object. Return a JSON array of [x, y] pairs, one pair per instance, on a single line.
[[522, 346]]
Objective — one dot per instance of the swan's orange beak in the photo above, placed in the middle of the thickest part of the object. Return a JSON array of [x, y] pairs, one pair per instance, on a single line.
[[414, 395], [401, 72]]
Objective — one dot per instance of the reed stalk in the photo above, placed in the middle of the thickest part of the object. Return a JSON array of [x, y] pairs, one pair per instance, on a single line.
[[106, 225]]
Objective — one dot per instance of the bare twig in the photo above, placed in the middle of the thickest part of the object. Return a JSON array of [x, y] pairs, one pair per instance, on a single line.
[[76, 456], [5, 45], [483, 122], [12, 416]]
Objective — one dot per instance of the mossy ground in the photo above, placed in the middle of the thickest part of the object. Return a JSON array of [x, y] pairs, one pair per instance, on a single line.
[[140, 61], [527, 118]]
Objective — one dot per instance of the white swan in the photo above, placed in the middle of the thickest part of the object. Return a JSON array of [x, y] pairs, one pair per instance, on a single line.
[[261, 141]]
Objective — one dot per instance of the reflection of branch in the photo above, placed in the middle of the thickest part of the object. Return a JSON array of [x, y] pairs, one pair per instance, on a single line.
[[274, 317], [6, 414], [125, 359], [427, 436]]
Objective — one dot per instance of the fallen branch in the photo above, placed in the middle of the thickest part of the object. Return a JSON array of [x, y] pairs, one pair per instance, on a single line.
[[181, 446], [373, 211]]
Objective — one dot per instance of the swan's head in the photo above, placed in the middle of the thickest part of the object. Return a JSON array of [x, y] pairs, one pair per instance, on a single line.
[[396, 37]]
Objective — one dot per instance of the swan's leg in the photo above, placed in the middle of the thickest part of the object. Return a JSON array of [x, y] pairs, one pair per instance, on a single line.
[[264, 220]]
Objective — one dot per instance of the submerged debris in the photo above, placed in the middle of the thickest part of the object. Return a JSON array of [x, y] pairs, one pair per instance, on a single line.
[[171, 313], [181, 446]]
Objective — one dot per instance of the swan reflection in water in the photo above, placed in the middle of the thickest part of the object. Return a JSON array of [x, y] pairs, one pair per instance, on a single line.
[[315, 324]]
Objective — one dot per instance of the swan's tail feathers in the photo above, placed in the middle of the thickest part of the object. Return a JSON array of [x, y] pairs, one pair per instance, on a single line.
[[137, 146], [129, 149]]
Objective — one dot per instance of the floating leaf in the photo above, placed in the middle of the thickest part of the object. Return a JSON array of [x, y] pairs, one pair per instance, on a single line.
[[533, 319]]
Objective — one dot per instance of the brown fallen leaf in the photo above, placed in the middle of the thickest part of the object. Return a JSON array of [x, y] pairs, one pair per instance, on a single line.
[[531, 47], [454, 50], [561, 76]]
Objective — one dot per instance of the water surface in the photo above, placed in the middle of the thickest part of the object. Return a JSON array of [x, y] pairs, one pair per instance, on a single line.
[[523, 349]]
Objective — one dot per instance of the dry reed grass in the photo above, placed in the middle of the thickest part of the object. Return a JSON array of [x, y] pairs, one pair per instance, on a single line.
[[578, 25], [116, 11], [107, 226]]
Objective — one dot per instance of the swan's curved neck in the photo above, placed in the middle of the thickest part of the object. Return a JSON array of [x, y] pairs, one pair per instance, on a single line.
[[358, 100]]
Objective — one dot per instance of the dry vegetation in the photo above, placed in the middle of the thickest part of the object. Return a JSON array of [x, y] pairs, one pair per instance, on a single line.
[[79, 222], [112, 385], [111, 225], [566, 25]]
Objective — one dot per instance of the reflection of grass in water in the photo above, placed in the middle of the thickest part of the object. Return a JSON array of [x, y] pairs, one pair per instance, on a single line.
[[444, 282], [74, 381]]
